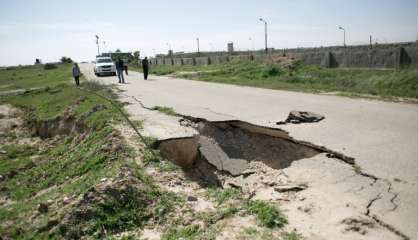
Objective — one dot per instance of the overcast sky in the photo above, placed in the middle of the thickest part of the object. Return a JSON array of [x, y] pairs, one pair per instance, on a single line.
[[49, 29]]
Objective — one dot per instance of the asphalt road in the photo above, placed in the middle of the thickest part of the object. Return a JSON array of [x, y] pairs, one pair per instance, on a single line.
[[381, 136]]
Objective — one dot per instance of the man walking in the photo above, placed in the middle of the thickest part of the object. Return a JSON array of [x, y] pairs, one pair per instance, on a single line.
[[126, 69], [119, 70], [76, 74], [145, 67]]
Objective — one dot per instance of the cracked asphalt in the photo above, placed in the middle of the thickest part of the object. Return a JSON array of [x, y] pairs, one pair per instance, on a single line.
[[381, 136]]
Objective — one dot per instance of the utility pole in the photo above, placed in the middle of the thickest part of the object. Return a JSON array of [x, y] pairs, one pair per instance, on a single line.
[[98, 48], [341, 28], [170, 51], [198, 46], [265, 33], [371, 41]]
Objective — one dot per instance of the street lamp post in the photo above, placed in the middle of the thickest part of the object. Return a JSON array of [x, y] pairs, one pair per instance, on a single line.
[[341, 28], [104, 46], [252, 43], [169, 48], [371, 41], [98, 48], [265, 33], [198, 46]]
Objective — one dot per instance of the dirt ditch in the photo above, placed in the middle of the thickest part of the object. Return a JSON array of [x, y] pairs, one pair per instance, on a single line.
[[65, 124]]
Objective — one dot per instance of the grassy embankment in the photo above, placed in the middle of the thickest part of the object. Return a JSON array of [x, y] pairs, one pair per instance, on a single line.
[[48, 170], [352, 82], [43, 180]]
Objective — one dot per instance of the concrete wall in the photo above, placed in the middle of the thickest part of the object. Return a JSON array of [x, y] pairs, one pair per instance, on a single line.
[[189, 61], [177, 61], [219, 59], [241, 58], [382, 56], [153, 61], [202, 61], [160, 61], [168, 61], [368, 58], [412, 54]]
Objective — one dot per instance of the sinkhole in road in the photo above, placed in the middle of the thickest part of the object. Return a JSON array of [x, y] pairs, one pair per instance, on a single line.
[[228, 146]]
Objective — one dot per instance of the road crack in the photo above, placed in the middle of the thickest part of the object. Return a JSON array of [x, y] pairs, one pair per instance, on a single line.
[[379, 197]]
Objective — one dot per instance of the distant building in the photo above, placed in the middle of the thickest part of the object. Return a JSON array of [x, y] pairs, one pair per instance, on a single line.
[[126, 56], [230, 47]]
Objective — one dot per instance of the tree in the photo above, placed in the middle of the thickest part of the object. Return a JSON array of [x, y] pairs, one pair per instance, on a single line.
[[136, 55], [118, 50], [66, 60]]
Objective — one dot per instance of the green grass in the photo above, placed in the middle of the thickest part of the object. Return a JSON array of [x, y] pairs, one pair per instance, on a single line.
[[57, 92], [166, 110], [291, 236], [220, 195], [66, 169], [220, 213], [16, 157], [183, 233], [267, 214], [132, 210], [384, 83], [47, 104], [34, 77], [357, 169]]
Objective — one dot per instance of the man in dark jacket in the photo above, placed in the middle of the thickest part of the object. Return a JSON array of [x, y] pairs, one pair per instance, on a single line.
[[76, 74], [145, 67], [119, 70]]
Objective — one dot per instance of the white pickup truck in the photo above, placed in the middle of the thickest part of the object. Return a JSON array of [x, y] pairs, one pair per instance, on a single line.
[[104, 66]]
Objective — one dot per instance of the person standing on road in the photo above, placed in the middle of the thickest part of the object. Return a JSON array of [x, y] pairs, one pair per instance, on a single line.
[[145, 67], [76, 74], [119, 70], [126, 69]]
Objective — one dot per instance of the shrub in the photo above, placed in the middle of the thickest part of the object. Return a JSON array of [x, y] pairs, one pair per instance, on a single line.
[[291, 236], [66, 60], [274, 71], [222, 195], [267, 214], [186, 233], [49, 66]]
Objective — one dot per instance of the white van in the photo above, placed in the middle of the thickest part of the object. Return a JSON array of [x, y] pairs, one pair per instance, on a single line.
[[104, 66]]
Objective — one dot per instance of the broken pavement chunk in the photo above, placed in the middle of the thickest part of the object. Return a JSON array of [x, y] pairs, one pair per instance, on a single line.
[[297, 117], [218, 158], [291, 188]]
